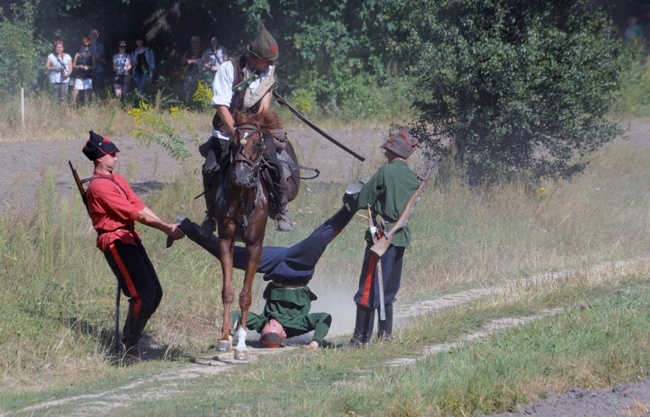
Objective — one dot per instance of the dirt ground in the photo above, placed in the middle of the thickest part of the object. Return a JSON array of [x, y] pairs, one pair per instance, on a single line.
[[22, 165]]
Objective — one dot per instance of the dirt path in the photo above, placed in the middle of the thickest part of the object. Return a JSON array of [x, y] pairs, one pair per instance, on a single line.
[[624, 400]]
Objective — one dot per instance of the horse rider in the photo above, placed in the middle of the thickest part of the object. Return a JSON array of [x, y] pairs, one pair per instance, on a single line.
[[288, 271], [114, 209], [245, 84]]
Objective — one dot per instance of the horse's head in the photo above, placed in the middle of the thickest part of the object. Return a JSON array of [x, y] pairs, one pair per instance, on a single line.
[[248, 145], [246, 151]]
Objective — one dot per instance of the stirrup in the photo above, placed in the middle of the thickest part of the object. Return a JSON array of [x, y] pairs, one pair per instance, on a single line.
[[283, 222]]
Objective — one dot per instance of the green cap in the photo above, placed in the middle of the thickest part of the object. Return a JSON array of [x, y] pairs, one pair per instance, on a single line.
[[265, 46]]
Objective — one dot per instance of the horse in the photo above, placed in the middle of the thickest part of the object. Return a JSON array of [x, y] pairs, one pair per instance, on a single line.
[[242, 210]]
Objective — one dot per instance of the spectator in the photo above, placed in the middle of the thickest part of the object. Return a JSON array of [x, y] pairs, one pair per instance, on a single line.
[[143, 62], [633, 33], [215, 55], [97, 51], [192, 63], [122, 68], [646, 36], [59, 64], [84, 68]]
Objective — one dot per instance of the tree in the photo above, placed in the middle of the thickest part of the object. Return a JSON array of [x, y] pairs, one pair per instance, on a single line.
[[512, 89], [20, 60], [335, 50]]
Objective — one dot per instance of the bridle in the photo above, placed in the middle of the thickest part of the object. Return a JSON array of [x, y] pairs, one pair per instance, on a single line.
[[238, 156]]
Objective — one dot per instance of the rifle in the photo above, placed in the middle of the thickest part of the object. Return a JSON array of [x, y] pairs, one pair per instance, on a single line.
[[382, 244], [80, 183], [82, 191], [380, 275], [283, 102]]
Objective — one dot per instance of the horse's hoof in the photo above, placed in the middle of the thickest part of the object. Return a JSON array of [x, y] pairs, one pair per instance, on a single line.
[[223, 346], [241, 355]]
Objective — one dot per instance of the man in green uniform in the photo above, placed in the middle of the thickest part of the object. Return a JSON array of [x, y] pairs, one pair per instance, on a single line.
[[387, 194]]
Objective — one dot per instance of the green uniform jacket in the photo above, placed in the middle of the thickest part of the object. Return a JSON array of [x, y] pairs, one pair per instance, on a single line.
[[388, 192], [287, 304]]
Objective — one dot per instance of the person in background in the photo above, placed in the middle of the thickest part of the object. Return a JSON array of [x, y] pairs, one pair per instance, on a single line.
[[84, 67], [215, 55], [59, 64], [143, 63], [122, 68], [634, 33], [192, 63], [386, 193], [646, 37], [97, 51], [114, 209]]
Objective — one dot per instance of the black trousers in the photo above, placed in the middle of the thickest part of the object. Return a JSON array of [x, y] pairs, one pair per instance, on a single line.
[[139, 282]]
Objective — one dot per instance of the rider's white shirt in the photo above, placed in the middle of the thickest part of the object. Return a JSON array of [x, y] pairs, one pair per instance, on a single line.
[[222, 88]]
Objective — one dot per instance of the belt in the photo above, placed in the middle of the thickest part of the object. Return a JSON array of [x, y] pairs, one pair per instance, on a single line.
[[130, 228], [288, 286]]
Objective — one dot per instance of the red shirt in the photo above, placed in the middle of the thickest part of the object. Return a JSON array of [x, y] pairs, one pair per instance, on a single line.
[[113, 209]]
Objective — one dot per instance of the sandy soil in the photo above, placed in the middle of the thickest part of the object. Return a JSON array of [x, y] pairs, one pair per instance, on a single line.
[[22, 165]]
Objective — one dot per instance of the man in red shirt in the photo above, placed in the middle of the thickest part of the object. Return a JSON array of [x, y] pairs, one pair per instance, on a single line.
[[114, 208]]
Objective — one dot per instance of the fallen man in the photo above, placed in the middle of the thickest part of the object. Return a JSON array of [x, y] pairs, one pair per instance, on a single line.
[[289, 270]]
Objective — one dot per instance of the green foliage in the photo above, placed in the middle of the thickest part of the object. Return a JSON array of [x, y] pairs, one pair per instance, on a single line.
[[634, 96], [519, 89], [334, 50], [21, 55], [203, 96], [157, 128]]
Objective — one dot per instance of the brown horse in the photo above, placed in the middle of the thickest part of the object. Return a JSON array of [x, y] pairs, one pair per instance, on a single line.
[[242, 210]]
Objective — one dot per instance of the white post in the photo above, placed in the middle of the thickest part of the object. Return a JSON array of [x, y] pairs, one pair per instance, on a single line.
[[22, 104]]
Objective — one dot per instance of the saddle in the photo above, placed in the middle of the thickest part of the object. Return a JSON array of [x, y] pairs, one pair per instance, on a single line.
[[281, 190]]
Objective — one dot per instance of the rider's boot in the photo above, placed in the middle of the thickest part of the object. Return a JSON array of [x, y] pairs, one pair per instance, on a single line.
[[282, 220], [210, 168]]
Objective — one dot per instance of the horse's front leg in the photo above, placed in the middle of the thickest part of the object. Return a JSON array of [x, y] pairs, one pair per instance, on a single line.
[[254, 252], [226, 249]]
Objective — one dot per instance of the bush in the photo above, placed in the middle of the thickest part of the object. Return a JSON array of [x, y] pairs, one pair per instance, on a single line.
[[21, 57], [513, 89]]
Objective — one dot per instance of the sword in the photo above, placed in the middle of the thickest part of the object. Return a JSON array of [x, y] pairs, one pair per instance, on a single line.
[[380, 276], [283, 102]]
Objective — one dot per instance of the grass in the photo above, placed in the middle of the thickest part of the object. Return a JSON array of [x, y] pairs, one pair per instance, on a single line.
[[57, 295]]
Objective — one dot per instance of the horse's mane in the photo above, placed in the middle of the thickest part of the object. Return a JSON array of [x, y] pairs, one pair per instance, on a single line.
[[266, 120]]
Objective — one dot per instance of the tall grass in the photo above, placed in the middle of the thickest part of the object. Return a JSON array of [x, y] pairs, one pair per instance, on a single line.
[[45, 119], [57, 293], [633, 98]]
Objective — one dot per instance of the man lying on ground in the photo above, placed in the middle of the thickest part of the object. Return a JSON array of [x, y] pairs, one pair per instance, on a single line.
[[288, 270]]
